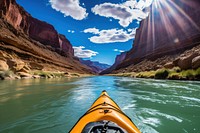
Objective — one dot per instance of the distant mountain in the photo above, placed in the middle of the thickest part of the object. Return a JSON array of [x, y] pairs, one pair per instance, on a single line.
[[96, 66], [118, 60]]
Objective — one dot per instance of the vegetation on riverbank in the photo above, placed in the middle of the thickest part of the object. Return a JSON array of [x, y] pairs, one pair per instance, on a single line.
[[175, 74], [6, 75]]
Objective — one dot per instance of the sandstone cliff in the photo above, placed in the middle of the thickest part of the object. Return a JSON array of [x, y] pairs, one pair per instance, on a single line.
[[171, 28], [38, 30], [35, 43]]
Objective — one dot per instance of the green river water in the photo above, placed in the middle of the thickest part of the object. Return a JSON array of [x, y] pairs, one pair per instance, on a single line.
[[54, 105]]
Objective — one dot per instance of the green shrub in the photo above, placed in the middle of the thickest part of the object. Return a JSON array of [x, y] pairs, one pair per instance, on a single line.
[[48, 74], [146, 74], [4, 74], [126, 74], [176, 69], [188, 73], [75, 75], [197, 72], [162, 74]]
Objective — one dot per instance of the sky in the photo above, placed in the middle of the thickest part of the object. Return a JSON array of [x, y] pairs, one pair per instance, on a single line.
[[97, 29]]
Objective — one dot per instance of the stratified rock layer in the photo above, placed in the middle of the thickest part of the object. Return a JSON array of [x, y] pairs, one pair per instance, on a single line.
[[34, 28]]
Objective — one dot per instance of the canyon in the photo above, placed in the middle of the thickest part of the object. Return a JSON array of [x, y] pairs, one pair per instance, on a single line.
[[28, 44], [168, 38]]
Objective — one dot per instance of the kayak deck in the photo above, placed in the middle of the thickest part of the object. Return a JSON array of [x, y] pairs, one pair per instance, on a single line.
[[104, 108]]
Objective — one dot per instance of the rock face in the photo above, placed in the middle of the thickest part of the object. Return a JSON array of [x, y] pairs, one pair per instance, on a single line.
[[28, 44], [43, 32], [15, 65], [95, 66], [65, 45], [168, 30], [3, 66], [189, 59], [196, 62], [186, 61], [34, 28], [169, 65], [118, 60]]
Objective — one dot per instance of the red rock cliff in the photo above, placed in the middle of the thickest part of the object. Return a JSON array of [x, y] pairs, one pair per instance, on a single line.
[[28, 44], [34, 28], [172, 26], [65, 45]]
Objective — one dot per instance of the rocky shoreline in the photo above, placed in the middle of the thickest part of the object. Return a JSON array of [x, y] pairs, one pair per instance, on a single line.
[[12, 67], [10, 75], [170, 74], [17, 69], [182, 66]]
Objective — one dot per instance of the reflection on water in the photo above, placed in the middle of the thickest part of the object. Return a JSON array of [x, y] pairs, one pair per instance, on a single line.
[[54, 105]]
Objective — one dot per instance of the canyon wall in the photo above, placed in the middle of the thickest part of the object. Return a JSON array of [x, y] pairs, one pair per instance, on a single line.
[[38, 30], [33, 44], [172, 26]]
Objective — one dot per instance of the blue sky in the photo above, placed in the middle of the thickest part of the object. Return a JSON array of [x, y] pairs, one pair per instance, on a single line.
[[98, 29]]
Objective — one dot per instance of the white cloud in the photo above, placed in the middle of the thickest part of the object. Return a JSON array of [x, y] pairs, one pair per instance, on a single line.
[[69, 8], [81, 52], [143, 4], [125, 12], [117, 50], [111, 35], [91, 30]]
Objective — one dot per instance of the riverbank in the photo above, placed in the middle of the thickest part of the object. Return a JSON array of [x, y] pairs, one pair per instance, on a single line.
[[173, 74], [185, 60], [10, 75], [181, 66]]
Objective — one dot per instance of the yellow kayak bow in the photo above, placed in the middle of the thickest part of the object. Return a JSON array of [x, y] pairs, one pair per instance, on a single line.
[[104, 115]]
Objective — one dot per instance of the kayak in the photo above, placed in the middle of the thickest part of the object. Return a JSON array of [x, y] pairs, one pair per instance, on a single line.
[[104, 116]]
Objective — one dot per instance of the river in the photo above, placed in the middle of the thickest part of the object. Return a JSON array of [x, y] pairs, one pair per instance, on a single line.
[[54, 105]]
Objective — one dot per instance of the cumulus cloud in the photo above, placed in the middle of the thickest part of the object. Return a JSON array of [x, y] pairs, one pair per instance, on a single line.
[[117, 50], [81, 52], [125, 12], [69, 8], [91, 30], [110, 35]]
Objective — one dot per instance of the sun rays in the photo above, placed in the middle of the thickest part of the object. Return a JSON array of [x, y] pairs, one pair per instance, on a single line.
[[169, 22]]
